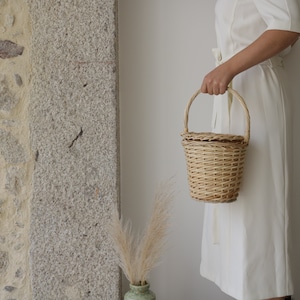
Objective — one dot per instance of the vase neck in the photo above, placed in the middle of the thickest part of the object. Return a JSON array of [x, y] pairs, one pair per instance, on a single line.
[[139, 289]]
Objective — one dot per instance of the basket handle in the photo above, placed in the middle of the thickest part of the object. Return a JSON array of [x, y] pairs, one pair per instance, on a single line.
[[237, 96]]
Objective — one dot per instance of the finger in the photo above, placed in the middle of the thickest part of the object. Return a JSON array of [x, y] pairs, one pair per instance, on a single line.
[[203, 88], [222, 88], [216, 91], [210, 91]]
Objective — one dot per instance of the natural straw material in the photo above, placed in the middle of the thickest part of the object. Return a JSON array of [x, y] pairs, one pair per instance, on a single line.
[[138, 254], [215, 162]]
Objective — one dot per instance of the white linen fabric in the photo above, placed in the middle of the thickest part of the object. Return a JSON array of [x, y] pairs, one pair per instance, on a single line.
[[245, 246]]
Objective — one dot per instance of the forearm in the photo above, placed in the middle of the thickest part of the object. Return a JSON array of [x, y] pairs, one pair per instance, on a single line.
[[270, 43]]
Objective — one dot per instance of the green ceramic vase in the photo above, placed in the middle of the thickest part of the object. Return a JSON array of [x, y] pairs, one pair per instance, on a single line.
[[142, 292]]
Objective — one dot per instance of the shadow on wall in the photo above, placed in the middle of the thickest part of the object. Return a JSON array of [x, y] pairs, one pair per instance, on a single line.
[[293, 69]]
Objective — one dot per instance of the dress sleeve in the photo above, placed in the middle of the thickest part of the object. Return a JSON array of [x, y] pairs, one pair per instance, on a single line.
[[280, 14]]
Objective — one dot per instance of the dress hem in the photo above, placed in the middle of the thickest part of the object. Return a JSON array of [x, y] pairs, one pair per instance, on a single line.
[[230, 293]]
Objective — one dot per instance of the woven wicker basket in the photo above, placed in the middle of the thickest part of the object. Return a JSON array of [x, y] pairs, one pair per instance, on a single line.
[[215, 162]]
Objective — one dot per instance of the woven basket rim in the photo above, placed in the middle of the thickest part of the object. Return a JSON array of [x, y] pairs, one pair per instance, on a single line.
[[213, 137]]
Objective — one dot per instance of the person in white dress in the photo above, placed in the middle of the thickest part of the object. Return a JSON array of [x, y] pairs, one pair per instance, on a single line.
[[245, 246]]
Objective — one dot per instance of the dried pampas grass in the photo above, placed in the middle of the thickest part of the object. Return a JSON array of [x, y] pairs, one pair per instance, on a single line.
[[137, 256], [124, 246]]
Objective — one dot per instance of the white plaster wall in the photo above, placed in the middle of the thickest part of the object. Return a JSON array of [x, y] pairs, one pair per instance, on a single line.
[[165, 50]]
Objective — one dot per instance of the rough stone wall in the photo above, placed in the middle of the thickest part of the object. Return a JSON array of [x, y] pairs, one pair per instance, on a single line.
[[16, 162], [73, 119], [58, 149]]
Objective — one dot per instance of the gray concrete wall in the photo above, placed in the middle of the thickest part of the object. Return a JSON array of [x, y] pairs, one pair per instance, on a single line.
[[59, 161]]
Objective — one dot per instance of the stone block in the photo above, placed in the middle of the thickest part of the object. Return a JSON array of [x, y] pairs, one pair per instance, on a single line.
[[11, 149], [3, 261], [18, 80], [14, 180], [7, 99], [9, 49], [74, 137]]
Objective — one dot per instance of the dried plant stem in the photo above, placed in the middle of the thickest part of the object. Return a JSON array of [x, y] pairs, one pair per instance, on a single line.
[[153, 241], [138, 256], [124, 242]]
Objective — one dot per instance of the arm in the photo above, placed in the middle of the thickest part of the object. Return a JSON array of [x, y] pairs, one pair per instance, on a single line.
[[270, 43]]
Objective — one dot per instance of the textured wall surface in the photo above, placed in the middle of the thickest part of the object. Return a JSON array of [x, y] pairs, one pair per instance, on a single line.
[[16, 160], [73, 117]]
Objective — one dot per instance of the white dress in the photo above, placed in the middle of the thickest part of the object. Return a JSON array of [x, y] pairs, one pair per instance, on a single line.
[[245, 248]]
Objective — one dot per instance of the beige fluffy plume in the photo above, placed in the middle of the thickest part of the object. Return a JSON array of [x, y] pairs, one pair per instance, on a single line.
[[137, 256]]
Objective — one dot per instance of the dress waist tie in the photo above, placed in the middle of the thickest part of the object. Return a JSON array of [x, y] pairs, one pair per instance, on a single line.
[[226, 117]]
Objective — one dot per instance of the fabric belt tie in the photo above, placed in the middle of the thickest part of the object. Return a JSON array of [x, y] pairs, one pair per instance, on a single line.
[[219, 60]]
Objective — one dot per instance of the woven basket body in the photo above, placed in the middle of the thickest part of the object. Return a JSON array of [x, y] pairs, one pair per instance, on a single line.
[[215, 162]]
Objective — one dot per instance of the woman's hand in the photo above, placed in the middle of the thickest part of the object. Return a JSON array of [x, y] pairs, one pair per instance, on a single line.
[[217, 81]]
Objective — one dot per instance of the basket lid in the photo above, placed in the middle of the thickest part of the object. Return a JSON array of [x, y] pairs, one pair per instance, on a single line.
[[213, 137]]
